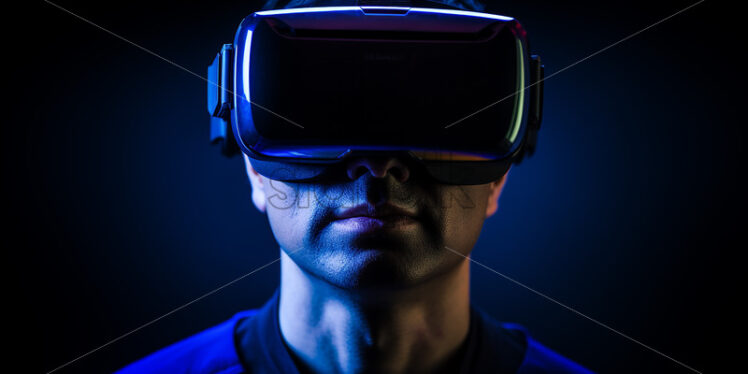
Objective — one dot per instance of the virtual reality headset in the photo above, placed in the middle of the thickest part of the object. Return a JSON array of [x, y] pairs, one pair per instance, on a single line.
[[301, 90]]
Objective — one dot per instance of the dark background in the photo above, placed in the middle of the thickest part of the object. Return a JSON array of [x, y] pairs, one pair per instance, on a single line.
[[121, 211]]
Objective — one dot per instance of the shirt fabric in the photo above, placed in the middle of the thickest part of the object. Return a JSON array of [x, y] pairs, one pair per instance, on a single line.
[[251, 343]]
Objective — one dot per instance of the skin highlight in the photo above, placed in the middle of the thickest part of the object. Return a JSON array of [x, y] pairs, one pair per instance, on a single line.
[[391, 300]]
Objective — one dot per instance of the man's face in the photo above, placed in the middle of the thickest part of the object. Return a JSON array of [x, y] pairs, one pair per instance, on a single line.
[[376, 222]]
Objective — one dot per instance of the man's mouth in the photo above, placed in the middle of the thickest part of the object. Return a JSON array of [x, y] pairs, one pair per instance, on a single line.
[[384, 211], [368, 217]]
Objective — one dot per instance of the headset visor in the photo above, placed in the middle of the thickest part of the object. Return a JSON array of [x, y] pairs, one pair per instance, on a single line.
[[317, 85]]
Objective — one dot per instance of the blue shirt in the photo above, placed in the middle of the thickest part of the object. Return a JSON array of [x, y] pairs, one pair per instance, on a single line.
[[490, 347]]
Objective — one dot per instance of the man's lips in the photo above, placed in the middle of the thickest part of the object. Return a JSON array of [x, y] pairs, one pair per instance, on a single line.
[[383, 212], [368, 218]]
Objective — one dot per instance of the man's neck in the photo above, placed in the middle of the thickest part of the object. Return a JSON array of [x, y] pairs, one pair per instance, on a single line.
[[418, 329]]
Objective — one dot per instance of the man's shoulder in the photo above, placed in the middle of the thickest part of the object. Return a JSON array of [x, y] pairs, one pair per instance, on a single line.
[[527, 355], [540, 359], [209, 351]]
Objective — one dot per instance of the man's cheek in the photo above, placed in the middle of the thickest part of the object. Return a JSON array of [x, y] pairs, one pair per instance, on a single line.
[[278, 195], [458, 197], [290, 198], [465, 215], [287, 228]]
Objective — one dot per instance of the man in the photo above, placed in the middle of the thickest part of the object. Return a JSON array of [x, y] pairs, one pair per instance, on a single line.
[[375, 277], [365, 285]]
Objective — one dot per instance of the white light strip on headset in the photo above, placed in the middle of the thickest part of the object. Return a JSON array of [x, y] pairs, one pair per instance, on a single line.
[[353, 8]]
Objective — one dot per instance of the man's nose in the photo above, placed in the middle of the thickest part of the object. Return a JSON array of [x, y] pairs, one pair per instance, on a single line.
[[379, 167]]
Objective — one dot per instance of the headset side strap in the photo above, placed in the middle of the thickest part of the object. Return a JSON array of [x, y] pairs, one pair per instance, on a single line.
[[220, 100], [537, 75], [535, 115], [536, 102]]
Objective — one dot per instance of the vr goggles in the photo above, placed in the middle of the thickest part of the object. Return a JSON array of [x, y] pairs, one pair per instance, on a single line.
[[302, 89]]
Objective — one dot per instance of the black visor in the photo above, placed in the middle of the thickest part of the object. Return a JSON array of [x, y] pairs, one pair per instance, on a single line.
[[313, 85]]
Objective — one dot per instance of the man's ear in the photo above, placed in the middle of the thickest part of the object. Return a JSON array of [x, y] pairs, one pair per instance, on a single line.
[[493, 196], [258, 185]]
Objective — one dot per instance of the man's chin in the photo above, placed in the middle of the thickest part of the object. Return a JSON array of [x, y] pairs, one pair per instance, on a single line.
[[381, 266]]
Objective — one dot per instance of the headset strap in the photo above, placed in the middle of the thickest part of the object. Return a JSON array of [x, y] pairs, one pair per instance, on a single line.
[[220, 101]]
